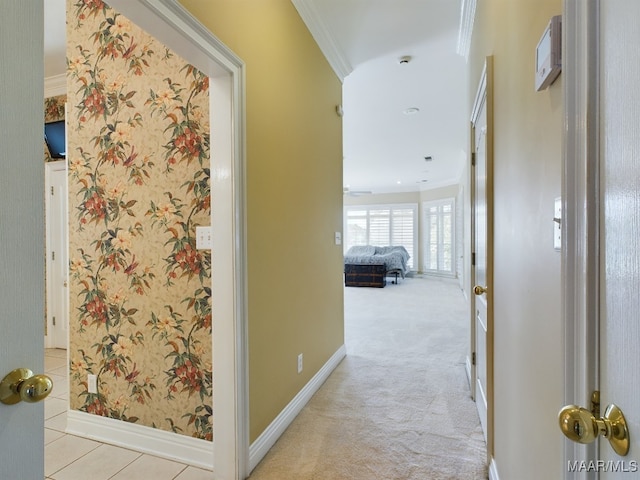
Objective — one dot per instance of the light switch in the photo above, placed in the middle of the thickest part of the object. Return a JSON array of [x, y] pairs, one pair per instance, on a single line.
[[557, 224], [338, 238], [203, 238]]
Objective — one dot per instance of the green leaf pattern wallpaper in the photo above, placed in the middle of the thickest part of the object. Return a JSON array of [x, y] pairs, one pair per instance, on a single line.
[[138, 157]]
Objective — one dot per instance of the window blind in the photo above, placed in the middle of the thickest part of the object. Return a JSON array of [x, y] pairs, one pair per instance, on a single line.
[[439, 255], [382, 225]]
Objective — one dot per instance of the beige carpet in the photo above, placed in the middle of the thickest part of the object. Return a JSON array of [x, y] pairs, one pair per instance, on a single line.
[[398, 406]]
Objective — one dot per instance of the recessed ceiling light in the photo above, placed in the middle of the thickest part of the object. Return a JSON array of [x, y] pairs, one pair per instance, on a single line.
[[399, 182], [411, 111]]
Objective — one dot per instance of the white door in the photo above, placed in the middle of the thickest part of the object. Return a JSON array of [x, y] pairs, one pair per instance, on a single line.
[[620, 227], [481, 321], [57, 254], [21, 230], [602, 349]]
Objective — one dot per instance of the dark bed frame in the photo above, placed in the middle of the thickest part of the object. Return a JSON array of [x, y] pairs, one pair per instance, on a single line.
[[368, 275]]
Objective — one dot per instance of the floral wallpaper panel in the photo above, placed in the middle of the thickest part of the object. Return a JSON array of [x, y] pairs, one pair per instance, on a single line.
[[140, 297]]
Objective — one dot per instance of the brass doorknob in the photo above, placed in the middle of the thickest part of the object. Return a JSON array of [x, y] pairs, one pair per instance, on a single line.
[[580, 425], [479, 290], [22, 384]]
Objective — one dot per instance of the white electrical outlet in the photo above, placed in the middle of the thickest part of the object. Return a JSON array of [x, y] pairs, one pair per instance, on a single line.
[[300, 363], [92, 383]]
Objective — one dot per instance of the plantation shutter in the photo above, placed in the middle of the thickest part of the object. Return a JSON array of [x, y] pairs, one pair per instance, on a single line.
[[382, 225], [439, 255]]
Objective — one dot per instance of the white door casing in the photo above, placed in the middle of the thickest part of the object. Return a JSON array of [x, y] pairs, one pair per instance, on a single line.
[[580, 217], [21, 230], [482, 254], [56, 254]]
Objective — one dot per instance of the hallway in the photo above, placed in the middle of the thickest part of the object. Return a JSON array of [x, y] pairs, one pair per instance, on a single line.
[[398, 406]]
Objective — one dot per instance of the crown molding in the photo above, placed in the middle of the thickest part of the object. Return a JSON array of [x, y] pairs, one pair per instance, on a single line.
[[56, 85], [324, 38], [467, 16]]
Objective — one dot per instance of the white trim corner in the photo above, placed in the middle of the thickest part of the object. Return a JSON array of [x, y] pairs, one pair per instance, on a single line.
[[324, 38]]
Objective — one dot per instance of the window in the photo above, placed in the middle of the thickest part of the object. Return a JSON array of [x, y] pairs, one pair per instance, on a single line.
[[382, 225], [439, 238]]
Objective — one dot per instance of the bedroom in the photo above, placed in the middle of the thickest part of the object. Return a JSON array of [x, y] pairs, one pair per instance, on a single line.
[[428, 224], [405, 131]]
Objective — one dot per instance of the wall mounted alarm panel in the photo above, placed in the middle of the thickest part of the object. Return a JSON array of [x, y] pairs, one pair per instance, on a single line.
[[549, 54]]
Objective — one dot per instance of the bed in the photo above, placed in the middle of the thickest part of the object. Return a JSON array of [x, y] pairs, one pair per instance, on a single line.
[[368, 265]]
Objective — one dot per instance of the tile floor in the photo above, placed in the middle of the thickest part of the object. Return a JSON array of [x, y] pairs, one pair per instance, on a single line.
[[68, 457]]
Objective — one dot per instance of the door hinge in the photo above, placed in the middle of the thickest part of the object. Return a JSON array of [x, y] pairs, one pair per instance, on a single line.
[[473, 259], [473, 159], [51, 189], [53, 255], [473, 358], [54, 321]]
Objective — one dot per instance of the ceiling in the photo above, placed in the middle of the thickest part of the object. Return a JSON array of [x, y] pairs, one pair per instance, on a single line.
[[384, 144], [364, 40]]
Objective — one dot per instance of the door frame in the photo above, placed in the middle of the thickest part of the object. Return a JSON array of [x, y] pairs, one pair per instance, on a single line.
[[581, 213], [174, 26], [54, 166], [484, 96]]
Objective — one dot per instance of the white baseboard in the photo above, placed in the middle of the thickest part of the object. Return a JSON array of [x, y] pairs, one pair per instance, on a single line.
[[189, 450], [268, 438], [173, 446], [493, 470]]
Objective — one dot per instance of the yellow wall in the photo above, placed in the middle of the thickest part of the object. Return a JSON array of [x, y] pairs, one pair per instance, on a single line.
[[294, 196], [528, 155]]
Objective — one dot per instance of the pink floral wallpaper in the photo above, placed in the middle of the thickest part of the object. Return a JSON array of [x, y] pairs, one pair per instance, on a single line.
[[140, 297]]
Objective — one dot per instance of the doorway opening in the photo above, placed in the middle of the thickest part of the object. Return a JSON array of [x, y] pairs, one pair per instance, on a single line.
[[178, 30]]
